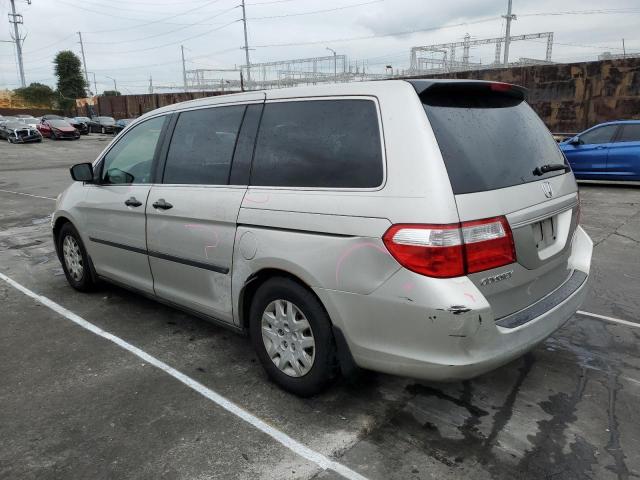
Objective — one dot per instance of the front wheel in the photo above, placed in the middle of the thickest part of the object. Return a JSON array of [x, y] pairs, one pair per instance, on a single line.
[[75, 261], [103, 131], [292, 336]]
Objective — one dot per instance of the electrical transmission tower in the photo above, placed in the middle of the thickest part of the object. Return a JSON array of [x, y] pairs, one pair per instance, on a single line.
[[16, 19]]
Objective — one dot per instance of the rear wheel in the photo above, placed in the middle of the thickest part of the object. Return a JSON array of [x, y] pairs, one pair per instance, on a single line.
[[75, 261], [53, 136], [292, 335]]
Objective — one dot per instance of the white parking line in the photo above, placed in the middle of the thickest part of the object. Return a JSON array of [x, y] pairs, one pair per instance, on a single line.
[[27, 194], [609, 319], [319, 459]]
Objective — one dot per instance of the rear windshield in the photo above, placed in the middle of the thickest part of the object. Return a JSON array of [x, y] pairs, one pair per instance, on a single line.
[[489, 140]]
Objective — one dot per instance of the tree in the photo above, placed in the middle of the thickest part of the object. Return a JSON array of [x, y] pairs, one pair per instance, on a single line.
[[36, 94], [111, 93], [71, 84]]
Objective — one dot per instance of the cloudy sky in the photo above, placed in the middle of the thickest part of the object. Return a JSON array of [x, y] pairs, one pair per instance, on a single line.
[[131, 40]]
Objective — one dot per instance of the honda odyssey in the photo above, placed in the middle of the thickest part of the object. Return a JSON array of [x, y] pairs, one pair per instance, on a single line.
[[424, 228]]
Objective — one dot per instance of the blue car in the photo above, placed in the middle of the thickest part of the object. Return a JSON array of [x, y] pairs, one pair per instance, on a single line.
[[609, 151]]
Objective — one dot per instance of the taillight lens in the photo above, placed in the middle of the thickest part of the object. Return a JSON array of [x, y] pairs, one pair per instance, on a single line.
[[445, 251], [432, 250]]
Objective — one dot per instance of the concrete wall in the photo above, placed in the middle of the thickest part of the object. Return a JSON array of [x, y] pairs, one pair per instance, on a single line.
[[568, 97], [572, 97]]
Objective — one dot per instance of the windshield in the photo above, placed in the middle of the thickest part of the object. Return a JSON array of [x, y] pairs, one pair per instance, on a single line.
[[489, 140], [58, 123], [82, 119], [13, 124]]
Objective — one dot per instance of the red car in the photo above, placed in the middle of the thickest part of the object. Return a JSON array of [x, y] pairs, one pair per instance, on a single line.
[[56, 129]]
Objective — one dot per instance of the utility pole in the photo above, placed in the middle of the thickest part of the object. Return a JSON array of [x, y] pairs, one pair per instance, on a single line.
[[84, 63], [507, 38], [16, 19], [624, 50], [335, 64], [246, 44], [115, 85], [95, 84], [150, 84], [184, 69]]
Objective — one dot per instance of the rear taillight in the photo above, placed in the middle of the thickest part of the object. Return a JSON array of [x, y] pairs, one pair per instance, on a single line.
[[445, 251]]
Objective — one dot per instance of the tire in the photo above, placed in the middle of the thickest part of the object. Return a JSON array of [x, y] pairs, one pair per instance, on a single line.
[[103, 131], [319, 372], [54, 136], [82, 279]]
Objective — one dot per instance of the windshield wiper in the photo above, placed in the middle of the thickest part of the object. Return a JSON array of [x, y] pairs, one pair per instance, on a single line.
[[551, 167]]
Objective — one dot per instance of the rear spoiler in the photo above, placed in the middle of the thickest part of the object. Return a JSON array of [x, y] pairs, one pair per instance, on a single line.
[[468, 87]]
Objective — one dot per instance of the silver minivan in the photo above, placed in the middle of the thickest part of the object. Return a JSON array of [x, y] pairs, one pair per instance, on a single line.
[[422, 228]]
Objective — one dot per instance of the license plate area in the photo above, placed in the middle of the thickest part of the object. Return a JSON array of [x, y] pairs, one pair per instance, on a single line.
[[545, 232]]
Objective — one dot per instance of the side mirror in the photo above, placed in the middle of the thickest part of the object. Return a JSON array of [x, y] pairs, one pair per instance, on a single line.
[[575, 141], [82, 172]]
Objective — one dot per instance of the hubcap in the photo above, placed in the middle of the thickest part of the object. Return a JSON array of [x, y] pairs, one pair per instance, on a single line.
[[288, 338], [72, 257]]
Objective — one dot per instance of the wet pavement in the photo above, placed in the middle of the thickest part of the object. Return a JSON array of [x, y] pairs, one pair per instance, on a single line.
[[74, 405]]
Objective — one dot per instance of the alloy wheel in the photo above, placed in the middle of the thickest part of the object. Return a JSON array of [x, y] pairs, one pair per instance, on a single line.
[[288, 338]]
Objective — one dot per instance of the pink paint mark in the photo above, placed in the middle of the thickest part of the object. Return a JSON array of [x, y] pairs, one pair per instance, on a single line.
[[350, 251], [408, 286], [469, 295]]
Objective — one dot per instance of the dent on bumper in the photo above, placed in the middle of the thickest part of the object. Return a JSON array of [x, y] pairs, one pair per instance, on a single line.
[[397, 329]]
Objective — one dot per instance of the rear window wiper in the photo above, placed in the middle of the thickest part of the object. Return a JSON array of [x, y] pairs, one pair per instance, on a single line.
[[551, 167]]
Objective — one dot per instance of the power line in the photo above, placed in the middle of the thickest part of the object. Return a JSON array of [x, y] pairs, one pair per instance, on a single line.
[[316, 11], [167, 32], [382, 35], [152, 22], [177, 42]]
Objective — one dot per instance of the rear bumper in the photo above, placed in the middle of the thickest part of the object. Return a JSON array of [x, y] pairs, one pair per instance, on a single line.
[[445, 330]]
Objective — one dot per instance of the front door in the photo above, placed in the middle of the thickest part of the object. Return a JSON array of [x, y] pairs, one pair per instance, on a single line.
[[191, 216], [588, 159], [114, 209]]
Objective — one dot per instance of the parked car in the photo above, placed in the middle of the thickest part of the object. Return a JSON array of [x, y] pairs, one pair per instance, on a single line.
[[121, 125], [24, 117], [58, 129], [51, 116], [342, 225], [609, 151], [31, 121], [19, 132], [82, 127], [102, 124], [8, 118]]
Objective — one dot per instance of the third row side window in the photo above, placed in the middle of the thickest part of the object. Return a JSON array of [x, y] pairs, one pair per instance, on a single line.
[[319, 143]]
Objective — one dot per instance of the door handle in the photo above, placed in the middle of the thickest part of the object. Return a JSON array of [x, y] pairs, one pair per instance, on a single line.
[[600, 147], [162, 204], [133, 202]]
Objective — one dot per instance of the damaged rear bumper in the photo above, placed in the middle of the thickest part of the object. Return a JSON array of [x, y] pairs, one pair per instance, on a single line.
[[444, 329]]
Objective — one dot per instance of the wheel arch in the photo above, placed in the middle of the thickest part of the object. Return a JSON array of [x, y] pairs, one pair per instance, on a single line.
[[57, 226], [258, 278]]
